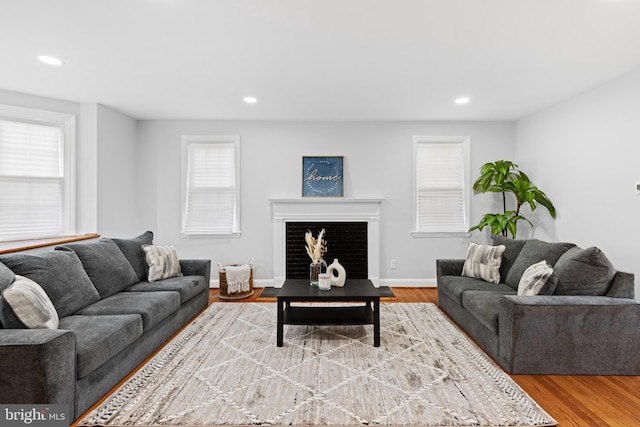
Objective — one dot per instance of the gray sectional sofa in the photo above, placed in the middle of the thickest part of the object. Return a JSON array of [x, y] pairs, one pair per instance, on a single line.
[[585, 323], [110, 320]]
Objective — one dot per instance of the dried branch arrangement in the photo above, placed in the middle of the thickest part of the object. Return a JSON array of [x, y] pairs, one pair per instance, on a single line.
[[316, 248]]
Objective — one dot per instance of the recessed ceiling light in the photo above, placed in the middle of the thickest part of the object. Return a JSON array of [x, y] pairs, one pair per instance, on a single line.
[[462, 100], [50, 60], [250, 100]]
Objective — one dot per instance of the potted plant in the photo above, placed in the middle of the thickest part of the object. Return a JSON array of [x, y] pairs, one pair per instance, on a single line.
[[504, 177]]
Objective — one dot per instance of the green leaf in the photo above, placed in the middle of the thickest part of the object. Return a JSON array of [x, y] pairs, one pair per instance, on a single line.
[[503, 176], [512, 227]]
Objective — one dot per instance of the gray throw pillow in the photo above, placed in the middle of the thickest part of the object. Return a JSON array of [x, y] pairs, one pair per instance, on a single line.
[[30, 304], [483, 262], [132, 250], [532, 252], [538, 279], [513, 248], [106, 266], [584, 272], [60, 274]]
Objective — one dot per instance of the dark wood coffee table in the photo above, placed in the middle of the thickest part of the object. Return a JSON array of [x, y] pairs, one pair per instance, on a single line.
[[354, 290]]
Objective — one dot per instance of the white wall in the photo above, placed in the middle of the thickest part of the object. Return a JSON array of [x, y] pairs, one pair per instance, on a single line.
[[585, 154], [86, 170], [117, 180], [378, 164]]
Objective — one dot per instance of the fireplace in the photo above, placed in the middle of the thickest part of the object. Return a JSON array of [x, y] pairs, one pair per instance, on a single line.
[[346, 241], [328, 213]]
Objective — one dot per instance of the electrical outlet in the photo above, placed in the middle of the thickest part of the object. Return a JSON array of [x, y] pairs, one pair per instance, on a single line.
[[393, 264]]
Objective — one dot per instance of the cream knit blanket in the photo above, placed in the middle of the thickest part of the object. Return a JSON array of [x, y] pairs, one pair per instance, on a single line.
[[238, 278]]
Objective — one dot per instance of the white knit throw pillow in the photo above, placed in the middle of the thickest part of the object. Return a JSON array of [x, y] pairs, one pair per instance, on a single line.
[[31, 304], [483, 262], [163, 262], [535, 278]]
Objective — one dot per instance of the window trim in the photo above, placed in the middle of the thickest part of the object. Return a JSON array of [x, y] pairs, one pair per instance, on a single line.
[[67, 124], [466, 143], [185, 141]]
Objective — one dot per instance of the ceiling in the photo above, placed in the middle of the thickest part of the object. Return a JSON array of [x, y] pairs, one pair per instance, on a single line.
[[318, 59]]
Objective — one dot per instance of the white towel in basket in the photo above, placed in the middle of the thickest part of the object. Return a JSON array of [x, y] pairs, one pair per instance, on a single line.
[[238, 278]]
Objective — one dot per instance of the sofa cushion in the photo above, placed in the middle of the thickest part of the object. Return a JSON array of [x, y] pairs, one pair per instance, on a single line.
[[584, 272], [6, 277], [132, 250], [483, 262], [60, 274], [99, 338], [163, 262], [152, 306], [455, 286], [532, 252], [538, 279], [485, 306], [8, 319], [187, 286], [511, 252], [29, 304], [106, 266]]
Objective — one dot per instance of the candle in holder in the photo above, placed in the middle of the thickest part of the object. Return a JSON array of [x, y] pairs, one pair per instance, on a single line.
[[324, 282]]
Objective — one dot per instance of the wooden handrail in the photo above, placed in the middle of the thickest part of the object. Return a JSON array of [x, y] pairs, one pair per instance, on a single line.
[[23, 245]]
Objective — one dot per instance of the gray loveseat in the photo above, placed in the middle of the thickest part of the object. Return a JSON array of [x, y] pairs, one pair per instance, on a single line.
[[586, 324], [110, 320]]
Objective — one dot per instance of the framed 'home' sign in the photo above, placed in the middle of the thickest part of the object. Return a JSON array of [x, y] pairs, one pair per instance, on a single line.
[[322, 176]]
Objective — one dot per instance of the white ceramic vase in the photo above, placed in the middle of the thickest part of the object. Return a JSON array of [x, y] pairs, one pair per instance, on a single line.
[[338, 280]]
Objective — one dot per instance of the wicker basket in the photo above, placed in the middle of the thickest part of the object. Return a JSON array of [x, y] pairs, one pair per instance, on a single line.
[[224, 292]]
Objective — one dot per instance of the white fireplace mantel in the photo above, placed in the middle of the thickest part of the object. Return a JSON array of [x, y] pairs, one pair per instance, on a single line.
[[329, 210]]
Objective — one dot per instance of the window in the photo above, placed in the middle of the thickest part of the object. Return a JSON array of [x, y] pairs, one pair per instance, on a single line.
[[441, 188], [211, 185], [36, 173]]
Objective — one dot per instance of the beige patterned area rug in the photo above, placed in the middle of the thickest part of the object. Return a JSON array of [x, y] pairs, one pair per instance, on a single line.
[[225, 369]]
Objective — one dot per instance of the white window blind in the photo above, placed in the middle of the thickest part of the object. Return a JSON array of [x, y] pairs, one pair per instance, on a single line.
[[35, 193], [211, 185], [441, 188]]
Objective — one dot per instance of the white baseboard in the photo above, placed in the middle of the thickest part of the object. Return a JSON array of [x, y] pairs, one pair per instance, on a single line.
[[409, 283], [398, 283]]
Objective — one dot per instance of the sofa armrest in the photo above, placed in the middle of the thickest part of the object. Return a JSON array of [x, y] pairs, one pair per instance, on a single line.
[[38, 366], [578, 335], [449, 267], [197, 267]]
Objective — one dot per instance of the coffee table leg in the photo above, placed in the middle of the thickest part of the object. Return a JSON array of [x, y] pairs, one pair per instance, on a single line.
[[280, 331], [376, 323]]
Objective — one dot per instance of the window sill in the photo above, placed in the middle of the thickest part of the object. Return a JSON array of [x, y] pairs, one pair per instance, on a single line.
[[221, 235], [451, 234], [23, 245]]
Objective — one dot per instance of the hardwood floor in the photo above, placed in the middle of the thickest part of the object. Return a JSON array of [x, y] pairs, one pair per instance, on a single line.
[[571, 400]]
